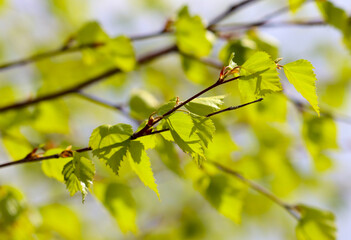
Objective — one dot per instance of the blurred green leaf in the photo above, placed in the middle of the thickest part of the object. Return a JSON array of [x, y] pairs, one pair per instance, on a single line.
[[61, 220], [315, 224], [300, 74], [191, 34], [78, 175], [118, 200], [11, 205], [91, 32], [295, 4], [53, 168], [168, 155], [142, 104], [195, 70]]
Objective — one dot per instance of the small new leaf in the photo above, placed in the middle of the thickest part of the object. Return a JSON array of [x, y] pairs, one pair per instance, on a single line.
[[78, 175], [300, 74]]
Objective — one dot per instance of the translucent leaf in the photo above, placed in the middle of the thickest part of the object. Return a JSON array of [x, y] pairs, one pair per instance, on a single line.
[[182, 129], [204, 128], [300, 74], [167, 106], [206, 105], [91, 32], [53, 168], [259, 76], [110, 143], [78, 175], [107, 135], [295, 4], [194, 70], [231, 63], [191, 34], [140, 163], [168, 155], [61, 220], [120, 203], [142, 104], [315, 224]]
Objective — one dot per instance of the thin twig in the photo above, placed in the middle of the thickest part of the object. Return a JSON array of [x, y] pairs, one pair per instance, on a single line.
[[234, 107], [290, 208]]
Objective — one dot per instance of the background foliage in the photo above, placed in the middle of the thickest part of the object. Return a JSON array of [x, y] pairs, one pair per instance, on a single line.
[[275, 169]]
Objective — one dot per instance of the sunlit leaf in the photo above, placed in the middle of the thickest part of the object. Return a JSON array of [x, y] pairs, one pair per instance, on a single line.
[[258, 77], [91, 32], [78, 175], [195, 70], [315, 224], [300, 74], [141, 165], [295, 4], [11, 205], [205, 105], [118, 200], [168, 155], [191, 34]]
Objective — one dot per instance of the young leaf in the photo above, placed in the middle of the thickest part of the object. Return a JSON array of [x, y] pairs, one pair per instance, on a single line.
[[204, 106], [182, 128], [110, 143], [140, 163], [78, 175], [191, 34], [167, 106], [333, 15], [300, 74], [120, 203], [168, 155], [204, 128], [258, 77], [315, 224], [194, 70]]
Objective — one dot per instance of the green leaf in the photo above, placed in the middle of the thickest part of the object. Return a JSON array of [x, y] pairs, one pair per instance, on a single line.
[[120, 52], [320, 135], [78, 175], [195, 70], [140, 163], [184, 133], [168, 155], [167, 106], [110, 143], [118, 200], [231, 63], [16, 144], [258, 77], [204, 128], [295, 4], [333, 15], [60, 220], [206, 105], [53, 168], [191, 34], [142, 104], [91, 32], [300, 74], [11, 205], [315, 224], [224, 194]]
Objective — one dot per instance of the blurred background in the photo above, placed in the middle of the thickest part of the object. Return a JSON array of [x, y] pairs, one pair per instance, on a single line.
[[270, 142]]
